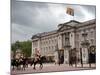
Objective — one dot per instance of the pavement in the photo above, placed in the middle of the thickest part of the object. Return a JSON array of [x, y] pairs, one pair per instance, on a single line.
[[53, 68]]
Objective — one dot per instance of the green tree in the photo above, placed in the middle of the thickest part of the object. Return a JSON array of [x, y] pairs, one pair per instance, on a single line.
[[24, 46]]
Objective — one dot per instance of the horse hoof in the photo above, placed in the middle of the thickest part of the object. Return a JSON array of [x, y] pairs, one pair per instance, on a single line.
[[34, 68]]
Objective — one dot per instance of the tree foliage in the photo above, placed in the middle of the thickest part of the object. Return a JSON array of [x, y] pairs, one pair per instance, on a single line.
[[24, 46]]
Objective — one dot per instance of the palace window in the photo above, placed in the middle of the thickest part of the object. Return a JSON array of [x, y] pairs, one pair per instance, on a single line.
[[92, 34]]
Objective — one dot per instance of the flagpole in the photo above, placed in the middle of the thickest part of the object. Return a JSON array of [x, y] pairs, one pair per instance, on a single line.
[[73, 14], [73, 18]]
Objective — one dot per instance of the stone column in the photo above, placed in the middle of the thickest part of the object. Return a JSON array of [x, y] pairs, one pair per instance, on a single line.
[[66, 48], [85, 44], [56, 57], [60, 41], [66, 55], [85, 55], [72, 39], [63, 40]]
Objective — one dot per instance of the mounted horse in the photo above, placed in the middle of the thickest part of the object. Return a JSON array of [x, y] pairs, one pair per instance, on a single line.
[[37, 60], [19, 64]]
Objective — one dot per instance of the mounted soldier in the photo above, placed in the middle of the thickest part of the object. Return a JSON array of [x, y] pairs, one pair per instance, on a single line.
[[37, 59], [37, 55]]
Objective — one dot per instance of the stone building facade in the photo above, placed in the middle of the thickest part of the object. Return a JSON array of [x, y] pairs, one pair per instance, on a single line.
[[70, 35]]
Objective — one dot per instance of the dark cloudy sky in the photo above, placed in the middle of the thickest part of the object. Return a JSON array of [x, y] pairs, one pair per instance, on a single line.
[[29, 18]]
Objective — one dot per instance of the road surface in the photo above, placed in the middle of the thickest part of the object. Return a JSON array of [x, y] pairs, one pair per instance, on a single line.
[[52, 68]]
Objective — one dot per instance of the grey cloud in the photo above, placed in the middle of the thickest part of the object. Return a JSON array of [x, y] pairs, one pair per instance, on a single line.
[[29, 18]]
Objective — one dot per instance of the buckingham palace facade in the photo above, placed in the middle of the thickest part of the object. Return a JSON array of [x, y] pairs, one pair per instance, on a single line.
[[72, 35]]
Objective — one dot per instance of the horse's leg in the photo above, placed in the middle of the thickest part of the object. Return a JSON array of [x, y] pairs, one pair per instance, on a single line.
[[71, 63], [34, 66], [13, 68], [41, 65], [20, 67], [24, 66], [17, 67], [27, 65]]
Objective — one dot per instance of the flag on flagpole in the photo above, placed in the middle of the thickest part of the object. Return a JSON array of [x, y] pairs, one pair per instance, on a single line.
[[70, 11]]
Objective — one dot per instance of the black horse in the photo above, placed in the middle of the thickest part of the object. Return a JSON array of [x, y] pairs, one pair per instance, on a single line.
[[22, 63], [39, 60], [17, 63], [13, 63]]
